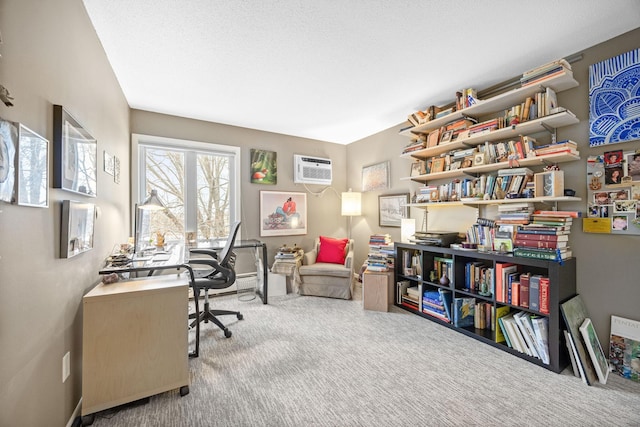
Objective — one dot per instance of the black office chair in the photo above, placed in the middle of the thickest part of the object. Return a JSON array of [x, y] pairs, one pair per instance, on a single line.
[[221, 276]]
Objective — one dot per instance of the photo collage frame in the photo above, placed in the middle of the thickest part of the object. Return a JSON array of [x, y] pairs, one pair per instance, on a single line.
[[613, 193]]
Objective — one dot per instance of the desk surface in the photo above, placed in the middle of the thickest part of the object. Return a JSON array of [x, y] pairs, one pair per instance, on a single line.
[[177, 257]]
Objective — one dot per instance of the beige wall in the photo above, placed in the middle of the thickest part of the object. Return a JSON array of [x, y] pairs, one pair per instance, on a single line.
[[51, 55], [606, 276], [323, 207]]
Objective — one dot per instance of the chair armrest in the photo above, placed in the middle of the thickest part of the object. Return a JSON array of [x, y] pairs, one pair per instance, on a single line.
[[348, 260], [213, 263], [210, 252], [309, 257]]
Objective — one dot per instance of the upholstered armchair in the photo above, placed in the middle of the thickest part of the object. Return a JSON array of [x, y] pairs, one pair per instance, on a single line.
[[327, 271]]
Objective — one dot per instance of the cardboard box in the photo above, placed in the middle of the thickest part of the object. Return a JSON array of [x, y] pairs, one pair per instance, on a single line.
[[549, 184]]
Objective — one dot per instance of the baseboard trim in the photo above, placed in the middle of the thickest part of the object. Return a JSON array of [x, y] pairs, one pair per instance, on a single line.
[[75, 416]]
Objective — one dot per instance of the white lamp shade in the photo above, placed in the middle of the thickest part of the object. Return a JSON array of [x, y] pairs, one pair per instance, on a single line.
[[407, 229], [351, 204], [152, 202]]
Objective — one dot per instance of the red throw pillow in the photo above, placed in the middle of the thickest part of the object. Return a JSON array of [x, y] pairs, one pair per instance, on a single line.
[[332, 250]]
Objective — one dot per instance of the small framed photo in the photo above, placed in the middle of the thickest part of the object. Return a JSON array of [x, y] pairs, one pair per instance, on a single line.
[[601, 198], [467, 162], [392, 208], [619, 195], [433, 138], [479, 159], [418, 168], [600, 362], [619, 223], [437, 165], [632, 166], [446, 137], [613, 158], [624, 206]]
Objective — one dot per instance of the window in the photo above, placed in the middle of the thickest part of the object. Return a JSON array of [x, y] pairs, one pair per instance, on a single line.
[[197, 182]]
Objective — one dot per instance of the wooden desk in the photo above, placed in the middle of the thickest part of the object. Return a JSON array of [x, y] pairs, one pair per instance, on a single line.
[[134, 341]]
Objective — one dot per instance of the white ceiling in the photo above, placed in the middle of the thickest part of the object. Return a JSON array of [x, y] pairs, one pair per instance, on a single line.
[[333, 70]]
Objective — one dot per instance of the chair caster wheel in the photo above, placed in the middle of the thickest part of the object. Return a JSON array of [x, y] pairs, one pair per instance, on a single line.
[[184, 390], [240, 316], [227, 333]]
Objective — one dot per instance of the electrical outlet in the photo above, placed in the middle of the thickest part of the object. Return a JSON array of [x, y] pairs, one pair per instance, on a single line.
[[66, 366]]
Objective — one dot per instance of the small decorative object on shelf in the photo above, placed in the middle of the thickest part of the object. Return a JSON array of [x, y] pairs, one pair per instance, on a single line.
[[444, 280]]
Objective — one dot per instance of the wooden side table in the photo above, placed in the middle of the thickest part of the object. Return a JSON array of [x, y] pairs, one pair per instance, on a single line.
[[377, 290]]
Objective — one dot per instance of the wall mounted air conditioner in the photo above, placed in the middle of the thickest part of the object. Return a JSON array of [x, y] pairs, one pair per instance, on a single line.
[[311, 170]]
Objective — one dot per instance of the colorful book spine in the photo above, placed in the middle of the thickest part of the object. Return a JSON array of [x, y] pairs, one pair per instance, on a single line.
[[537, 244], [524, 289], [544, 295], [534, 292], [544, 254]]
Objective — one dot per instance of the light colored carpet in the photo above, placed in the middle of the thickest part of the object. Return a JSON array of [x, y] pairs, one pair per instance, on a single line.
[[310, 361]]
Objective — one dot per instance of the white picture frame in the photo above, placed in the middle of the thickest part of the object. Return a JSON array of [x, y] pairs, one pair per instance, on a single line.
[[32, 186], [277, 219], [77, 228], [598, 358]]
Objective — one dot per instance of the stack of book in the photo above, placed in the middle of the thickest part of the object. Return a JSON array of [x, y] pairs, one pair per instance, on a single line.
[[478, 277], [515, 213], [482, 232], [434, 305], [545, 72], [381, 253], [483, 313], [526, 333], [565, 146], [414, 145], [287, 254], [411, 298], [546, 237], [514, 180]]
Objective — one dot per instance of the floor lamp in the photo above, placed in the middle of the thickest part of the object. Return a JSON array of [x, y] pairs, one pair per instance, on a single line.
[[351, 206]]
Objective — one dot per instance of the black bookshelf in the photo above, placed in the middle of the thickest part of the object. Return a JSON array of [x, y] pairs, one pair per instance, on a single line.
[[562, 277]]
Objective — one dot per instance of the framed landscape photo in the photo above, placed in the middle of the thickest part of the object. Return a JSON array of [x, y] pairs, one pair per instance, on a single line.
[[76, 229], [375, 177], [32, 187], [75, 155], [283, 213], [392, 209], [595, 350]]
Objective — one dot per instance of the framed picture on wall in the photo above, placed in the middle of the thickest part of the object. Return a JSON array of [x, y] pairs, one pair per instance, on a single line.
[[8, 144], [392, 208], [75, 155], [264, 167], [76, 229], [283, 213], [33, 169], [375, 177]]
